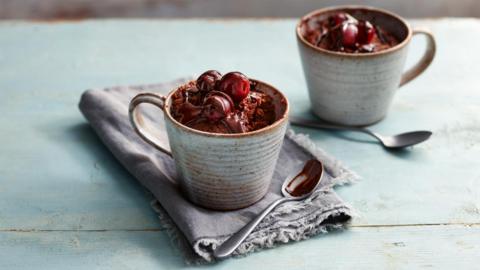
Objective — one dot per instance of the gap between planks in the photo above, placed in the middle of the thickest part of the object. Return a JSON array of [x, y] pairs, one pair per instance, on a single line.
[[158, 230]]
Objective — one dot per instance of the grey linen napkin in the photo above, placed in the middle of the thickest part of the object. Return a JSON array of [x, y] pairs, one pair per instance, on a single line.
[[197, 230]]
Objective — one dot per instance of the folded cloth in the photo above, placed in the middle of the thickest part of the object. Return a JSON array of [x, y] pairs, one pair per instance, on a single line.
[[197, 230]]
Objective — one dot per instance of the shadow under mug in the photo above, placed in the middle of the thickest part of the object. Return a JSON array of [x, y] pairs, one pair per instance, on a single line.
[[218, 171], [358, 88]]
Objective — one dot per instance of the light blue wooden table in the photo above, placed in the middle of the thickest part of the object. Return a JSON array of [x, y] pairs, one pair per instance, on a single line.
[[65, 202]]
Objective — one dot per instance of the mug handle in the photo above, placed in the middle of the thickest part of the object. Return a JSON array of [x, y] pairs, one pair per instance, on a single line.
[[424, 62], [136, 119]]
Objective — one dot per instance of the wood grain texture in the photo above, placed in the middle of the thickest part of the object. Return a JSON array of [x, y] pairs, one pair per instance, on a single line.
[[56, 175], [426, 247]]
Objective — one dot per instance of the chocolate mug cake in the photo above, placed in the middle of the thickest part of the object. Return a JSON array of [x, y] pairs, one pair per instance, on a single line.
[[353, 58], [225, 134]]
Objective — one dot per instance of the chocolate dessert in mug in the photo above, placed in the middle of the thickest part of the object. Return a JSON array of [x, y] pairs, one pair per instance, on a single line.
[[225, 134], [353, 58]]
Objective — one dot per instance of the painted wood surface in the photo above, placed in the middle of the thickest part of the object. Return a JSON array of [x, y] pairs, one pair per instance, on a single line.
[[57, 180], [424, 247]]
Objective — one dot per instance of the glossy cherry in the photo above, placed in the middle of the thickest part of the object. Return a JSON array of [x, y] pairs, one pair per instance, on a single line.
[[349, 34], [207, 81], [217, 105], [236, 85], [366, 32]]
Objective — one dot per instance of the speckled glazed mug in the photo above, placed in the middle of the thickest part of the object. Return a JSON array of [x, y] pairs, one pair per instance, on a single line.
[[219, 171], [357, 89]]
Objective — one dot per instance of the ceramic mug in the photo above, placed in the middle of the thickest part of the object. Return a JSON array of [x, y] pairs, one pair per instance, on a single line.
[[358, 88], [218, 171]]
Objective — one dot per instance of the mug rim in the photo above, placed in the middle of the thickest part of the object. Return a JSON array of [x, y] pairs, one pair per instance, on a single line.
[[357, 7], [274, 125]]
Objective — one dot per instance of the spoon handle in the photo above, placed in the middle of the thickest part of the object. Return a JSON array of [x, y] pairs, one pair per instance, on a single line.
[[315, 124], [227, 247]]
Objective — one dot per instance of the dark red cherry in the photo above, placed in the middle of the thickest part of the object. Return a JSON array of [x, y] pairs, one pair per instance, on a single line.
[[236, 85], [206, 82], [217, 105], [366, 32], [338, 18], [349, 35]]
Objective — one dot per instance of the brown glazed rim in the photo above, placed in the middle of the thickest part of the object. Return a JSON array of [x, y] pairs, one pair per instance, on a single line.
[[266, 129], [354, 7]]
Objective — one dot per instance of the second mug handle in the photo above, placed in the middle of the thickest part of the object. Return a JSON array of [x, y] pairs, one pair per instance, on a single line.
[[138, 123], [424, 62]]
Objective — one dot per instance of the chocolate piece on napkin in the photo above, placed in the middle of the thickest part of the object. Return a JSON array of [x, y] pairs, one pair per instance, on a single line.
[[204, 229]]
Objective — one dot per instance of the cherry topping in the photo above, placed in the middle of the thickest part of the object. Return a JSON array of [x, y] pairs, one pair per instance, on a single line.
[[366, 32], [217, 105], [236, 85], [206, 82], [349, 34]]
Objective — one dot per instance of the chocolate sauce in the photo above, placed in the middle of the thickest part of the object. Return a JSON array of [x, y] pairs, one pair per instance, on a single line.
[[307, 179], [235, 124], [188, 112]]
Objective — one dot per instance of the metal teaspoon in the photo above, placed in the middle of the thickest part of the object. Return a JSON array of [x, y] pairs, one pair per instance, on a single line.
[[296, 187]]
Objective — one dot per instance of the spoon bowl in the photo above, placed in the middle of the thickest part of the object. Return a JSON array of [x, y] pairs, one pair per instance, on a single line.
[[404, 139], [303, 180], [297, 186]]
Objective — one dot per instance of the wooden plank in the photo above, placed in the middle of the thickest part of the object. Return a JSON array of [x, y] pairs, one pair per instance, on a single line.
[[429, 247], [55, 174]]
